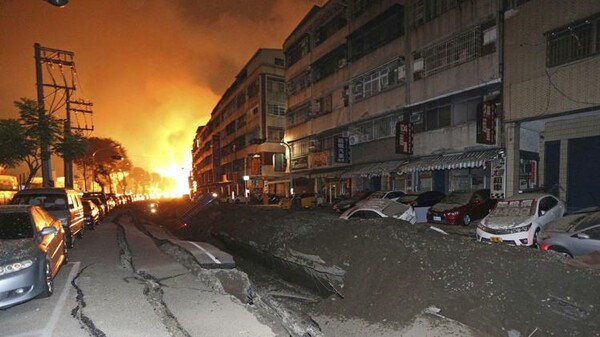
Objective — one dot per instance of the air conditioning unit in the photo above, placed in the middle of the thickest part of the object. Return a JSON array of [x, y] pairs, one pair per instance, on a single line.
[[353, 139]]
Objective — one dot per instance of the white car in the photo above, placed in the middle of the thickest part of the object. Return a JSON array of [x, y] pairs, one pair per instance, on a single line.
[[380, 208], [520, 218]]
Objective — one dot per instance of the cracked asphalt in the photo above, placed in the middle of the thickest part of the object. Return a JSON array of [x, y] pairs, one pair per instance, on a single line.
[[121, 282]]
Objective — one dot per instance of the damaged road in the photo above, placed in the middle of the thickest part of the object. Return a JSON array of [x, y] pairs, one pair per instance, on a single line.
[[121, 281]]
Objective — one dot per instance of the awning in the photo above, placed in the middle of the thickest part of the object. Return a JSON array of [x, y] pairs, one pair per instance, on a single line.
[[450, 161], [330, 172], [373, 169]]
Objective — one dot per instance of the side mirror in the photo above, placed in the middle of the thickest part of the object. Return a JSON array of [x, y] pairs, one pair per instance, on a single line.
[[47, 231], [583, 236]]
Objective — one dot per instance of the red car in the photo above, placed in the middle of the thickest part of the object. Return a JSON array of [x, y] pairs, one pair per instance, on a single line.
[[461, 207]]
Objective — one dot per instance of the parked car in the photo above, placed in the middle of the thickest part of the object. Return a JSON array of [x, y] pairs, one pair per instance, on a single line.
[[422, 202], [379, 208], [33, 250], [574, 234], [391, 195], [63, 204], [91, 214], [520, 218], [101, 207], [461, 207], [99, 195], [346, 203]]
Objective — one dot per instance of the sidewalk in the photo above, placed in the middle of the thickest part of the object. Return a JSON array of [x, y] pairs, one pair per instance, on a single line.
[[119, 283]]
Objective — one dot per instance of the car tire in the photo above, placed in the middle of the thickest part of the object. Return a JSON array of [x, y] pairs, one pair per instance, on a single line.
[[535, 237], [466, 220], [562, 251], [47, 281]]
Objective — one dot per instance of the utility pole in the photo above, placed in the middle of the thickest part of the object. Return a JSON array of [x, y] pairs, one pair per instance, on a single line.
[[61, 58], [83, 107]]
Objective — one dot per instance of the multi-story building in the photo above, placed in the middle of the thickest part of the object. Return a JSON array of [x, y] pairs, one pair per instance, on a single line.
[[239, 150], [552, 98], [386, 94]]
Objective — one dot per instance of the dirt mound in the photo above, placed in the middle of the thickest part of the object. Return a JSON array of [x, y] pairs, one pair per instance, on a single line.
[[395, 270]]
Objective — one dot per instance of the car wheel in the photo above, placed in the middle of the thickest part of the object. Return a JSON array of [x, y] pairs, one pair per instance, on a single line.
[[47, 281], [535, 237], [563, 251], [69, 240], [466, 219]]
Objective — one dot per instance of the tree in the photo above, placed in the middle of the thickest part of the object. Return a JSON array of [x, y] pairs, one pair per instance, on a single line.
[[15, 147], [104, 157]]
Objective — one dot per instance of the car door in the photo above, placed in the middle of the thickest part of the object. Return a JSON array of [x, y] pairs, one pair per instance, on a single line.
[[548, 210], [48, 243], [478, 205]]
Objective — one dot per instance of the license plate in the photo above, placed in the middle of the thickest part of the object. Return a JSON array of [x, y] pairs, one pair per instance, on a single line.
[[496, 239], [437, 218]]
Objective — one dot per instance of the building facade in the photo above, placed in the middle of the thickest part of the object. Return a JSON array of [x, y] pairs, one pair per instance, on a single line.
[[238, 152], [552, 98], [389, 94]]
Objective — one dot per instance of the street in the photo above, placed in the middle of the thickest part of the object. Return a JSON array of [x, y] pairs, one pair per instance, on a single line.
[[118, 283]]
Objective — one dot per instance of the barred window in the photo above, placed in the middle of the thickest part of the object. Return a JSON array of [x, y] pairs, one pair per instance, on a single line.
[[459, 49], [378, 32], [423, 11], [298, 115], [297, 50], [573, 42], [276, 109], [298, 82], [274, 134], [378, 79]]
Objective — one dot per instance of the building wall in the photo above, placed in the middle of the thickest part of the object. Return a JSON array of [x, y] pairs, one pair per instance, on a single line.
[[531, 89]]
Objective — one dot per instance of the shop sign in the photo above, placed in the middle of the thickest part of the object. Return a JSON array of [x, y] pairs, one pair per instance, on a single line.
[[498, 178], [318, 159], [486, 123], [255, 166], [404, 138], [342, 149], [300, 163]]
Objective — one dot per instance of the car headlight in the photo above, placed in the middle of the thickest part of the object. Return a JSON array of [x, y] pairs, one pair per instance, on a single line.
[[14, 267], [455, 213]]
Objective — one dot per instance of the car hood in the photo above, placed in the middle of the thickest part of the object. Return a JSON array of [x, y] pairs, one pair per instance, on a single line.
[[15, 250], [439, 207], [506, 222]]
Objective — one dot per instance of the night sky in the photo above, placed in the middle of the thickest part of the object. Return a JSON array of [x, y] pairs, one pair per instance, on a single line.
[[154, 69]]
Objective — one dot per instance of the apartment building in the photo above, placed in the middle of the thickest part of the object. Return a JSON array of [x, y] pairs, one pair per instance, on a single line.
[[552, 98], [387, 94], [239, 151]]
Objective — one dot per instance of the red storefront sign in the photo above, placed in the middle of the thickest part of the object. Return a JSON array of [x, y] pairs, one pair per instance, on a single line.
[[486, 123], [404, 138]]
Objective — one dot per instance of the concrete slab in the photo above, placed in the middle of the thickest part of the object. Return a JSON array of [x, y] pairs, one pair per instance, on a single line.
[[146, 256], [207, 255], [158, 232]]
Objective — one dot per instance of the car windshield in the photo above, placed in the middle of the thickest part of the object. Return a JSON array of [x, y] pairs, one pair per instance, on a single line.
[[405, 199], [15, 226], [524, 207], [457, 198], [49, 202], [377, 195]]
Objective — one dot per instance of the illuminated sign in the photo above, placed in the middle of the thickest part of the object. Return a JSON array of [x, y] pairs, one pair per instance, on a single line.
[[342, 149], [404, 138], [486, 123]]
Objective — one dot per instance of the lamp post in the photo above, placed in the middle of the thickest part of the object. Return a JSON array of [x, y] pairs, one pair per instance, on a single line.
[[288, 164]]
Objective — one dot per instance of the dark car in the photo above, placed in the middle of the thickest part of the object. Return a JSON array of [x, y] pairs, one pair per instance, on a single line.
[[32, 250], [91, 214], [101, 207], [421, 202], [101, 196], [574, 234], [461, 207]]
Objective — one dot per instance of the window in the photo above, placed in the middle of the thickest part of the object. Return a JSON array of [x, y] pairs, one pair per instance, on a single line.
[[464, 112], [276, 109], [274, 134], [573, 42], [253, 89], [458, 49], [329, 64], [330, 28], [594, 233], [357, 7], [438, 118], [275, 85], [378, 32], [297, 50], [423, 11], [378, 80], [365, 215], [299, 82], [278, 61]]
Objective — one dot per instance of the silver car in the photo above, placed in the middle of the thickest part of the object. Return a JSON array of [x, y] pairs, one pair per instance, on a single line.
[[32, 250], [573, 235]]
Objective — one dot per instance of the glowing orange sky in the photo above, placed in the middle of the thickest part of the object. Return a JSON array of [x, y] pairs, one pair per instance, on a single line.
[[154, 69]]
